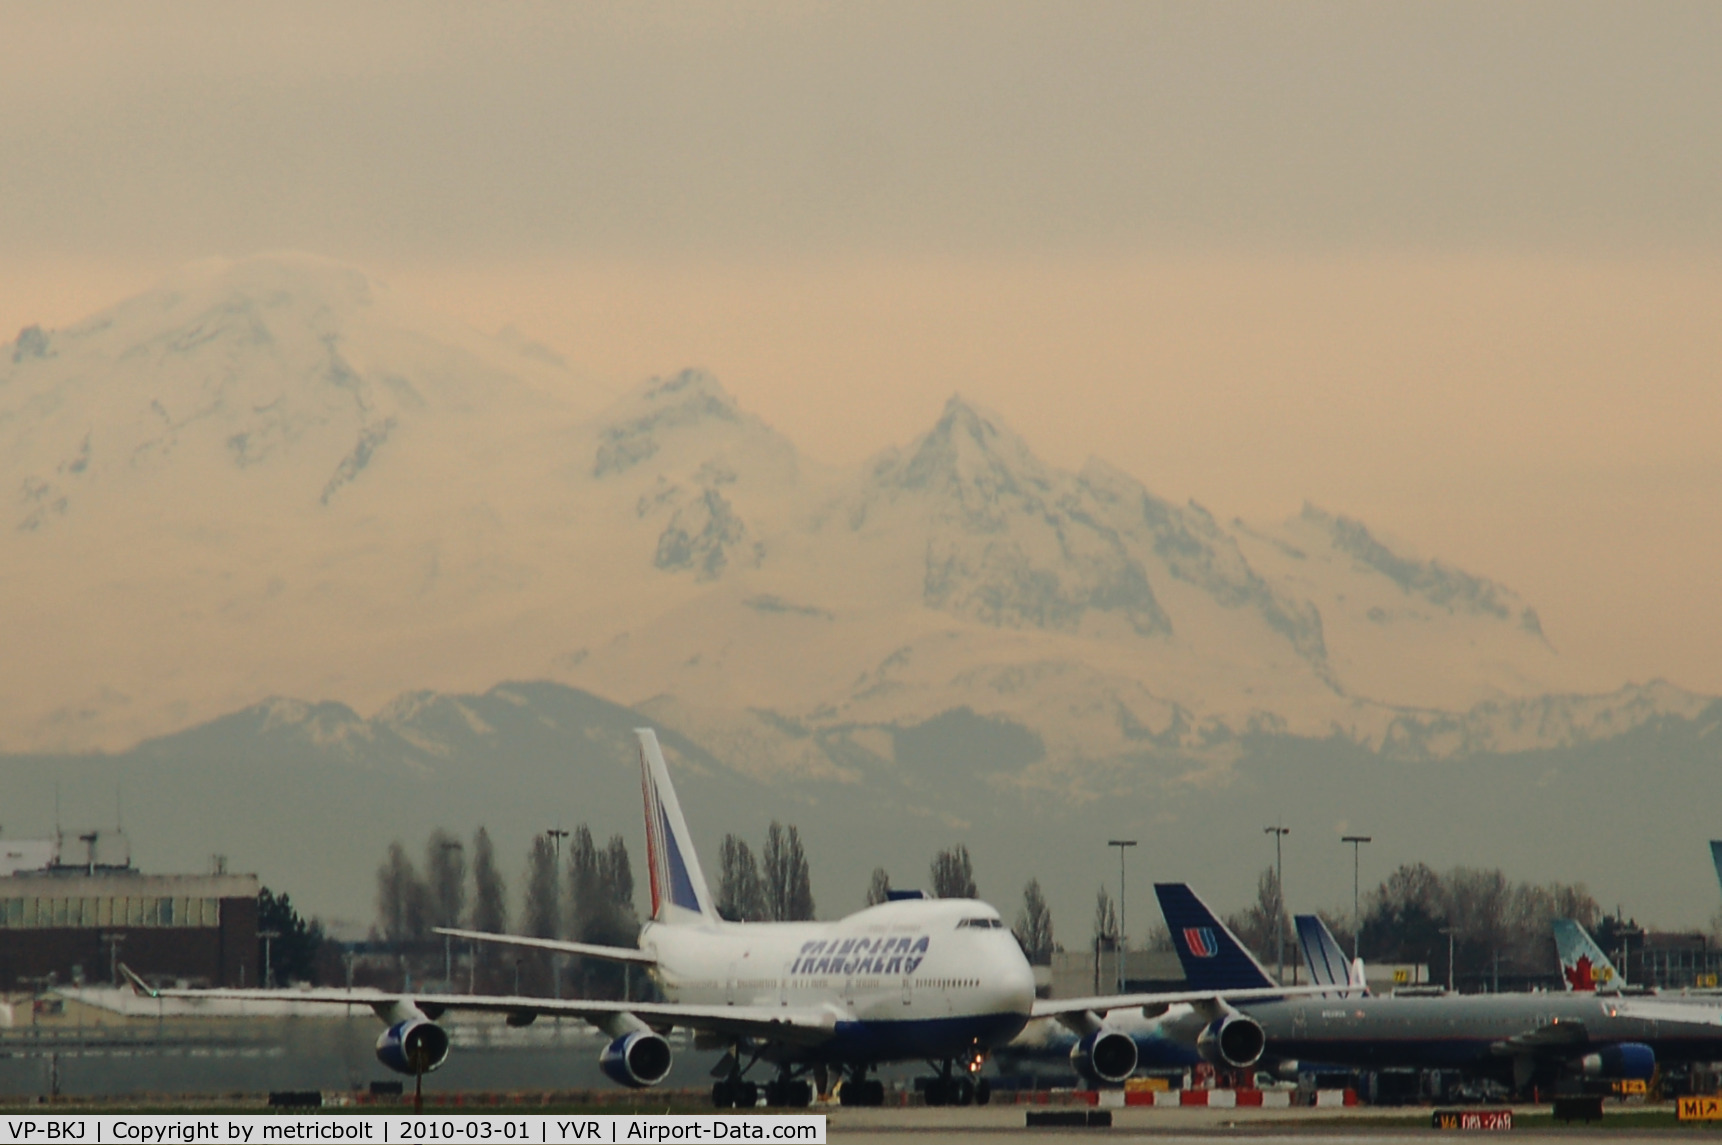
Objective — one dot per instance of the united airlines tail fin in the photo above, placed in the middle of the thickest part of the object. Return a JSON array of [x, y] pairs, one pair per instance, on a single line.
[[1327, 963], [1212, 956], [1583, 964], [679, 891]]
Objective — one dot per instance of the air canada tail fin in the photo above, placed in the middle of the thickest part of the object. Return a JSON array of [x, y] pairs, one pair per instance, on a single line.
[[1212, 956], [1583, 964], [1327, 963], [679, 892]]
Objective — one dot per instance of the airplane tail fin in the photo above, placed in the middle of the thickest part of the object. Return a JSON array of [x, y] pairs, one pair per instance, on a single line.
[[1583, 964], [1212, 956], [1327, 963], [679, 892], [1716, 857]]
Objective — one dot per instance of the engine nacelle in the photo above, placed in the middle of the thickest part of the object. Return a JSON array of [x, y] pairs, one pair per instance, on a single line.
[[414, 1046], [1104, 1057], [1633, 1060], [638, 1059], [1235, 1041]]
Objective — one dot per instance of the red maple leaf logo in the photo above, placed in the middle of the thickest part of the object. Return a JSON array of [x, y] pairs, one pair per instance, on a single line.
[[1580, 976]]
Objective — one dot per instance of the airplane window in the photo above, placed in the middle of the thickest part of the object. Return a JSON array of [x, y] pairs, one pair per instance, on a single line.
[[980, 924]]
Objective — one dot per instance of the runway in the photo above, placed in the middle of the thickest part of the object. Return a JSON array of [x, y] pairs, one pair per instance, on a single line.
[[1358, 1126]]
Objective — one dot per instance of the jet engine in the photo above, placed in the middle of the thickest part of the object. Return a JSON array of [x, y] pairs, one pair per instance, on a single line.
[[637, 1060], [1233, 1041], [414, 1046], [1104, 1056], [1627, 1060]]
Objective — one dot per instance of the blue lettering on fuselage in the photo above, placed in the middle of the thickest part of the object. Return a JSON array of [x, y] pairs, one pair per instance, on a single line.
[[861, 955]]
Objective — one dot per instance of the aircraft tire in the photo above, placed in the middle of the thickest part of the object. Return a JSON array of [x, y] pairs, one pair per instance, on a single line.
[[798, 1094], [935, 1091], [747, 1095], [983, 1092], [965, 1094], [723, 1095], [875, 1092]]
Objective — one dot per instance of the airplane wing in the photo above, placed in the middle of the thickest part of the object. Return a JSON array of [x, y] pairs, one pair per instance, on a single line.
[[808, 1025], [584, 949], [1556, 1035], [1101, 1003]]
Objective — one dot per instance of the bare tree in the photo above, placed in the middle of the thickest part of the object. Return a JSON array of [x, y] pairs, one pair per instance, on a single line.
[[1033, 927], [1263, 925], [953, 874], [741, 895], [543, 903], [445, 869], [619, 875], [788, 884], [879, 887], [403, 902], [1105, 922], [490, 896], [601, 884]]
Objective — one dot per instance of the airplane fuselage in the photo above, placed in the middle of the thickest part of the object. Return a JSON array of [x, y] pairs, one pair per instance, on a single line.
[[1475, 1032], [908, 980]]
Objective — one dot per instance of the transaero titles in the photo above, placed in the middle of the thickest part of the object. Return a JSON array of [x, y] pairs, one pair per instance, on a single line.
[[861, 955]]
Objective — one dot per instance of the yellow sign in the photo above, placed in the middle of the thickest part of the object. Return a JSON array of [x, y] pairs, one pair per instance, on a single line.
[[1701, 1108], [1401, 977], [1632, 1086], [1706, 982]]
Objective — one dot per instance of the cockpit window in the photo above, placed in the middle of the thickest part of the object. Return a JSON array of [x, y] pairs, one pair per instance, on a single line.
[[980, 924]]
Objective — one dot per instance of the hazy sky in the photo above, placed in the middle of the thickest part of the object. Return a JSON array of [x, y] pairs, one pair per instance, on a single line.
[[1452, 268]]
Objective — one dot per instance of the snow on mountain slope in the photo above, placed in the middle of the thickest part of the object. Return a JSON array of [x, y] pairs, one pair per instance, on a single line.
[[271, 477]]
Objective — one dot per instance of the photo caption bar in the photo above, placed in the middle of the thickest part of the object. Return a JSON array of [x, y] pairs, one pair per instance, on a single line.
[[261, 1128]]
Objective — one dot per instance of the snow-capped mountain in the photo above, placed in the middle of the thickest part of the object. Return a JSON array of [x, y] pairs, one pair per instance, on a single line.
[[273, 477]]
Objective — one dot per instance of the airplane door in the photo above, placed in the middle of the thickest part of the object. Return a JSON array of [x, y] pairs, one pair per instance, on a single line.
[[783, 985], [908, 990], [729, 983]]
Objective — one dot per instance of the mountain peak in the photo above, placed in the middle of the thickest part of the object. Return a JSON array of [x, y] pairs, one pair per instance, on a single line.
[[970, 456]]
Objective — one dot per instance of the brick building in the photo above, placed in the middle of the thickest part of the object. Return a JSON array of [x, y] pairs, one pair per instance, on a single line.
[[74, 921]]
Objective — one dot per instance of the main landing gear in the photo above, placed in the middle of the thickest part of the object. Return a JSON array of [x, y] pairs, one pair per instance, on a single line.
[[861, 1090], [950, 1088], [790, 1089]]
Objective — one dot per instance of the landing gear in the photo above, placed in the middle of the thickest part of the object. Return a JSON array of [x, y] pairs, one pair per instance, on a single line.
[[862, 1090], [789, 1093], [734, 1093], [950, 1088]]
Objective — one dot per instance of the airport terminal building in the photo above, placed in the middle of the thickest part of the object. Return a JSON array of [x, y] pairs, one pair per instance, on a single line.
[[73, 921]]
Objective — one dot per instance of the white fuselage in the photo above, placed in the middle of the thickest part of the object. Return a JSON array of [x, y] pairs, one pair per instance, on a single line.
[[916, 978]]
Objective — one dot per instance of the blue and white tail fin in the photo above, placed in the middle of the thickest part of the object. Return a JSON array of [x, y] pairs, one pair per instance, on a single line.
[[1327, 963], [1583, 964], [1212, 956], [679, 892]]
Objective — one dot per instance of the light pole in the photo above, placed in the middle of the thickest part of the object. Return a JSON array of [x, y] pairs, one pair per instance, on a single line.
[[1121, 844], [1356, 842], [113, 939], [1279, 833], [268, 937], [447, 950], [1449, 931]]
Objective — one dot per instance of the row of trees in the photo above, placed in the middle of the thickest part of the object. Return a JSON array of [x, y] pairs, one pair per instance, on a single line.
[[1498, 926], [952, 876], [779, 888]]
